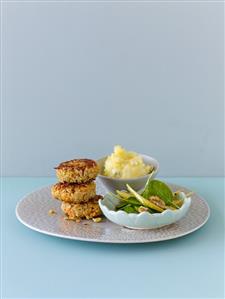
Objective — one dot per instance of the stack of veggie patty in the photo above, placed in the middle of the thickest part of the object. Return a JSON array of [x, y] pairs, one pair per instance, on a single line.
[[77, 189]]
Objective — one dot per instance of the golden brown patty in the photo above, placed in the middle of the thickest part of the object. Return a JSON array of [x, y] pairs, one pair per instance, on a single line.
[[86, 210], [77, 171], [74, 193]]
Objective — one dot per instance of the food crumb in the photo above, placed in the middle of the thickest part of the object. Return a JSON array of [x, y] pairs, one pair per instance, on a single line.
[[51, 212], [97, 220]]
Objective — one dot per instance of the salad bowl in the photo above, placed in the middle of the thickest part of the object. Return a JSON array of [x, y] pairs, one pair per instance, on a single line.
[[144, 220]]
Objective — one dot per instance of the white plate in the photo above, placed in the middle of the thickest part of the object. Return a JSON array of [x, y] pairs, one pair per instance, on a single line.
[[33, 209]]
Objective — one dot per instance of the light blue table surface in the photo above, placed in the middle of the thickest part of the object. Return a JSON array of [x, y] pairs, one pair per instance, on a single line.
[[40, 266]]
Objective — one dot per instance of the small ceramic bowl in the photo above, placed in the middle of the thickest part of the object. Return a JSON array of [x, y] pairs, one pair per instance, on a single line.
[[143, 220], [113, 184]]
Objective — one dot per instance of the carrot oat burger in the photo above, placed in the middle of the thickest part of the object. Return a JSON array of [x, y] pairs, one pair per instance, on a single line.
[[74, 193], [77, 190], [77, 171], [86, 210]]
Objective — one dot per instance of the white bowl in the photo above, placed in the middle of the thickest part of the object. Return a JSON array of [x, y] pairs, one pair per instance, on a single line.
[[143, 220], [113, 184]]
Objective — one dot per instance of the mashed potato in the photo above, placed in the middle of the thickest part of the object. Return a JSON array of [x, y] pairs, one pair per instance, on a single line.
[[125, 165]]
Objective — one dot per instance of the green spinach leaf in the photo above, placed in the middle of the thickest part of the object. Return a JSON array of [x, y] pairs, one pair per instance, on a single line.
[[129, 209], [158, 188]]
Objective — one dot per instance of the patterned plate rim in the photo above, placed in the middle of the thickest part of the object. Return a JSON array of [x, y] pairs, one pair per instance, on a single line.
[[25, 198]]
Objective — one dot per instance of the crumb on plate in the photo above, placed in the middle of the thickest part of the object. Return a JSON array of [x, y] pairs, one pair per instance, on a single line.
[[51, 212], [97, 220]]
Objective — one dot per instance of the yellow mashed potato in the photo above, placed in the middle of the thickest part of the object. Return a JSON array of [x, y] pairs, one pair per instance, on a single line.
[[125, 165]]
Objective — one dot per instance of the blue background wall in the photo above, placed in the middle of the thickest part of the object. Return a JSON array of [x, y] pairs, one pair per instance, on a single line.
[[81, 77]]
